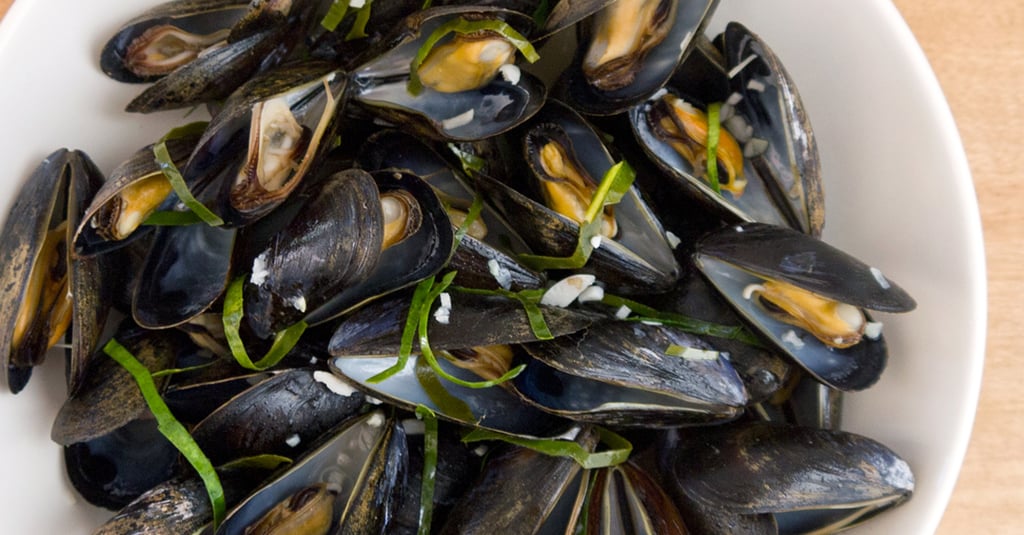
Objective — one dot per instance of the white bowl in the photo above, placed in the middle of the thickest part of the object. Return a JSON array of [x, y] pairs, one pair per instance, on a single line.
[[898, 193]]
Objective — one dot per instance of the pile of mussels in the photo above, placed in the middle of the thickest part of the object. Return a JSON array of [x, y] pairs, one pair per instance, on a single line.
[[710, 326]]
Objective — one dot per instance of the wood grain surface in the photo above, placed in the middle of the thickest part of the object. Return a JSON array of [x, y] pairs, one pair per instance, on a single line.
[[977, 52]]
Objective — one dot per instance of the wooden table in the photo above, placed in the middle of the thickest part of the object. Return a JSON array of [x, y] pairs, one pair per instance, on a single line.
[[977, 51]]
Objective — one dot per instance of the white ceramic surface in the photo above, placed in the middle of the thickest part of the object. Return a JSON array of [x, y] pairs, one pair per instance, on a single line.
[[899, 196]]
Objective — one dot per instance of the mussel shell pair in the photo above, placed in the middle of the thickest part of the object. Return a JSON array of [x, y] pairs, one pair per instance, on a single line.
[[380, 84], [766, 116], [55, 193], [637, 260], [736, 256], [809, 480], [647, 70], [330, 258]]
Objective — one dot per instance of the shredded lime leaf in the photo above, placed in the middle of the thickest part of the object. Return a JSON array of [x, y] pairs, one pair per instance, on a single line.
[[684, 323], [172, 371], [530, 299], [471, 216], [615, 183], [409, 331], [170, 427], [428, 354], [265, 462], [471, 163], [463, 26], [172, 219], [284, 341], [358, 30], [334, 15], [446, 403], [166, 164], [714, 126], [540, 15], [616, 452], [429, 467]]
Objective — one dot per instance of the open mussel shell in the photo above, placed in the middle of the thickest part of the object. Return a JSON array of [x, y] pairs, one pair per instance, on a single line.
[[381, 84], [608, 76], [168, 36], [485, 256], [264, 141], [637, 260], [771, 121], [736, 257], [344, 249], [801, 475], [492, 408], [282, 415], [133, 191], [621, 373], [520, 491], [355, 472], [48, 289]]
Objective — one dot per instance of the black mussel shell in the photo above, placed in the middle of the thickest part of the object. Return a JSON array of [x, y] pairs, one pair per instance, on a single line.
[[638, 75], [51, 202], [201, 18], [329, 259], [624, 373], [737, 256]]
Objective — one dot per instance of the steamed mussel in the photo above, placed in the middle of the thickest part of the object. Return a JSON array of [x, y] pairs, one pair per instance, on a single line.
[[377, 216]]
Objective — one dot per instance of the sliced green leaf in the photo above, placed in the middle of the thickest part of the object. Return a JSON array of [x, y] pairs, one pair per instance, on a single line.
[[616, 451], [334, 15], [529, 299], [173, 371], [471, 163], [714, 127], [172, 219], [463, 26], [614, 185], [472, 215], [429, 467], [170, 427], [167, 167], [412, 322], [445, 402], [264, 462], [358, 30], [681, 322], [284, 341]]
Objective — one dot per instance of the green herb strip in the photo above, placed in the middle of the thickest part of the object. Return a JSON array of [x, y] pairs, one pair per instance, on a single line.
[[463, 26], [713, 134], [684, 323], [334, 15], [615, 183], [472, 215], [284, 341], [166, 164], [263, 462], [428, 354], [471, 163], [170, 427], [172, 371], [529, 299], [408, 332], [618, 448], [358, 30], [540, 15], [429, 468], [445, 402], [172, 219]]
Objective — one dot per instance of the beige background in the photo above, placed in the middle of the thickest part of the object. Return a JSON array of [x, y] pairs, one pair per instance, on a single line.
[[977, 51]]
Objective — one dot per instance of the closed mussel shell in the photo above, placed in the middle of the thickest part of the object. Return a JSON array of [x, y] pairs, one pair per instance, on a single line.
[[624, 373], [756, 468], [625, 499], [282, 415]]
